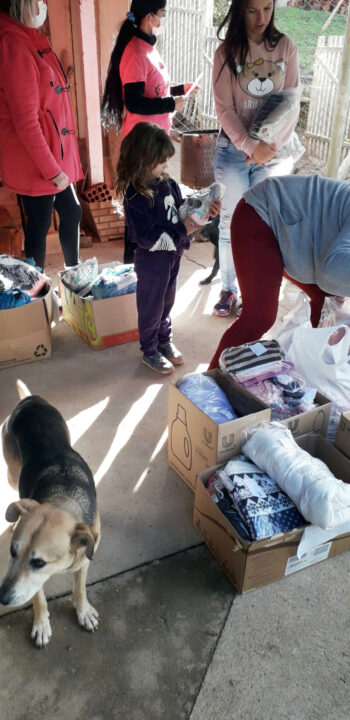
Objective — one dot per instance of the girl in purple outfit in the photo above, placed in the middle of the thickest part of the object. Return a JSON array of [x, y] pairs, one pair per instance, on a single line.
[[151, 203]]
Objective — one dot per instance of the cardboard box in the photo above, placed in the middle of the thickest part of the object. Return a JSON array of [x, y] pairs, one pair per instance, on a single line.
[[195, 441], [311, 421], [101, 323], [250, 565], [25, 332], [342, 440]]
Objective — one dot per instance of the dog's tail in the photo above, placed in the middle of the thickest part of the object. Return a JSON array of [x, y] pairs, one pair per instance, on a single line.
[[23, 391]]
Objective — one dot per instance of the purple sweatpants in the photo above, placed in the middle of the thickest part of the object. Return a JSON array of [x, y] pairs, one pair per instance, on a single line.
[[155, 295]]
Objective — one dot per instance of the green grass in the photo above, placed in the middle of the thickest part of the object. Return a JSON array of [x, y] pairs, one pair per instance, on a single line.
[[304, 27]]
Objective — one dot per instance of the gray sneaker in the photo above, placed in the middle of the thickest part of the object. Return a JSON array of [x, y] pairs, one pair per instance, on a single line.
[[158, 363], [172, 354]]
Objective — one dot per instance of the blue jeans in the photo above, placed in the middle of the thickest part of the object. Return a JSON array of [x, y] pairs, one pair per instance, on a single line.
[[238, 176]]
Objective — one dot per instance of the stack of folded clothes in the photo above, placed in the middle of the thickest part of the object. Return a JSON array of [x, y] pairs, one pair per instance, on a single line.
[[253, 502], [20, 282]]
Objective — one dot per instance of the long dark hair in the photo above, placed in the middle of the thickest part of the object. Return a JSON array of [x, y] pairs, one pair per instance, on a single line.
[[112, 105], [145, 146], [235, 43]]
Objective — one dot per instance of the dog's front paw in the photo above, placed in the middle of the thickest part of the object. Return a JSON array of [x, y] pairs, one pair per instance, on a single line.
[[88, 618], [41, 632]]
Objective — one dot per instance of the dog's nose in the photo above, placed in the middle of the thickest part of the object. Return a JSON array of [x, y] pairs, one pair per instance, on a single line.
[[4, 595]]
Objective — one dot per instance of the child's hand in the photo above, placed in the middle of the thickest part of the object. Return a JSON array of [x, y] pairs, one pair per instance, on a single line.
[[190, 225], [214, 208]]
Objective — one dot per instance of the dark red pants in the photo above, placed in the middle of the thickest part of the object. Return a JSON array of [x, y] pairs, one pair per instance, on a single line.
[[259, 267]]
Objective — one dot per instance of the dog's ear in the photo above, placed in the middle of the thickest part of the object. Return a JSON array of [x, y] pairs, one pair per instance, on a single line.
[[84, 536], [21, 507]]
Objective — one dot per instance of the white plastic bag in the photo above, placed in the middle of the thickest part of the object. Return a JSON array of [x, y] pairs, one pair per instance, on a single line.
[[321, 355], [297, 316]]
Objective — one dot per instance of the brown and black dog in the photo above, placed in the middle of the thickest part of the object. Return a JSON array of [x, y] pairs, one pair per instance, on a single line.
[[57, 523]]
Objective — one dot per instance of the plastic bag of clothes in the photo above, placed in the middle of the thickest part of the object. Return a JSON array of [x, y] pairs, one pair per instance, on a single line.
[[111, 282], [206, 394], [273, 114]]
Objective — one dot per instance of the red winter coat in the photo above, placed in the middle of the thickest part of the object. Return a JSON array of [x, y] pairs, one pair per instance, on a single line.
[[37, 137]]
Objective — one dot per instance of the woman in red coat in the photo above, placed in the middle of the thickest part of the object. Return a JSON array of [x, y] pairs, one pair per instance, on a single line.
[[39, 158]]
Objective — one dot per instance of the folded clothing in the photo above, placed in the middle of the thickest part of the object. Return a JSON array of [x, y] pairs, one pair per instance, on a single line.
[[321, 498], [244, 362], [273, 113], [264, 508], [286, 394], [13, 298], [79, 277], [221, 498], [19, 275], [206, 394], [111, 282]]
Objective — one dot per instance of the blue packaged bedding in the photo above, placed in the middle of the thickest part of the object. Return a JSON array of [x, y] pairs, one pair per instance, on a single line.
[[206, 394]]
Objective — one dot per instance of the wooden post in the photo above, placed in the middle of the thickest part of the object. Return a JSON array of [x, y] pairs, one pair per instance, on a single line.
[[83, 14], [341, 109]]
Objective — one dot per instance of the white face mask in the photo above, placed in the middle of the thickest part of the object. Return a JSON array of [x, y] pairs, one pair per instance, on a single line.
[[160, 28], [41, 17]]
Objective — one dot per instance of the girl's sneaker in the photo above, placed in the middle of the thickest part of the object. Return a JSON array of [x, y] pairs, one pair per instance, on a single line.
[[225, 304], [171, 353], [158, 363]]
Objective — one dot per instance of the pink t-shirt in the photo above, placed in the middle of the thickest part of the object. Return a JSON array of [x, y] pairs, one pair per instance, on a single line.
[[141, 62], [237, 97]]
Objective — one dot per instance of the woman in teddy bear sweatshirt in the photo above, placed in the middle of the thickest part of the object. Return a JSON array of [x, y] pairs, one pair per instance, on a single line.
[[254, 61]]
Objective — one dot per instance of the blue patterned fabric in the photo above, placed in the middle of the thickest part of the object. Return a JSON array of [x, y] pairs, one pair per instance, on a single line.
[[264, 508]]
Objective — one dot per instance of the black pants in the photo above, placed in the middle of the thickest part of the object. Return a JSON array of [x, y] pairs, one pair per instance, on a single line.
[[129, 247], [39, 215]]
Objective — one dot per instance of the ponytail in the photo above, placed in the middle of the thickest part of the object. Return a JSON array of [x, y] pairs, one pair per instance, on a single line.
[[112, 105]]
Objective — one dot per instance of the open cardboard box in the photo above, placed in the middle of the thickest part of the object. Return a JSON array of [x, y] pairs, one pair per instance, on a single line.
[[101, 323], [25, 331], [195, 441], [342, 440], [249, 565]]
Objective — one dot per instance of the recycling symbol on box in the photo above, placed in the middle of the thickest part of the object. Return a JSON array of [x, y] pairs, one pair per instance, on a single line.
[[40, 351]]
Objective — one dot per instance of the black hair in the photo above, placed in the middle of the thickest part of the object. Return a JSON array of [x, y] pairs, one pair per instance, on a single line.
[[235, 43], [112, 104]]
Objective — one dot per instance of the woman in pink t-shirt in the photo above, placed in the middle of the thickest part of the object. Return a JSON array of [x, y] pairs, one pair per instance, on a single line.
[[137, 86], [253, 62]]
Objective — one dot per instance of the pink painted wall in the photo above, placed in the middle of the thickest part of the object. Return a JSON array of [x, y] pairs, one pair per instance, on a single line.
[[110, 17], [83, 33]]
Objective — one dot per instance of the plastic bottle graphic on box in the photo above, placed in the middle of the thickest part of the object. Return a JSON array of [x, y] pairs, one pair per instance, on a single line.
[[180, 440]]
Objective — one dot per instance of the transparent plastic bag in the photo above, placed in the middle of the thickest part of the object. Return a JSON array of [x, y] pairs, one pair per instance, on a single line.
[[335, 311], [197, 205], [112, 282], [271, 117], [273, 114], [206, 394], [79, 276]]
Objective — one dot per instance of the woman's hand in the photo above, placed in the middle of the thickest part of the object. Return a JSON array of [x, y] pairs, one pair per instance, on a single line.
[[190, 225], [214, 208], [188, 86], [180, 103], [61, 180], [263, 153]]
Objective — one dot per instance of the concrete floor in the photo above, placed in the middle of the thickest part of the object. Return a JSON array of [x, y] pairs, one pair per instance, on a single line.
[[174, 642]]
